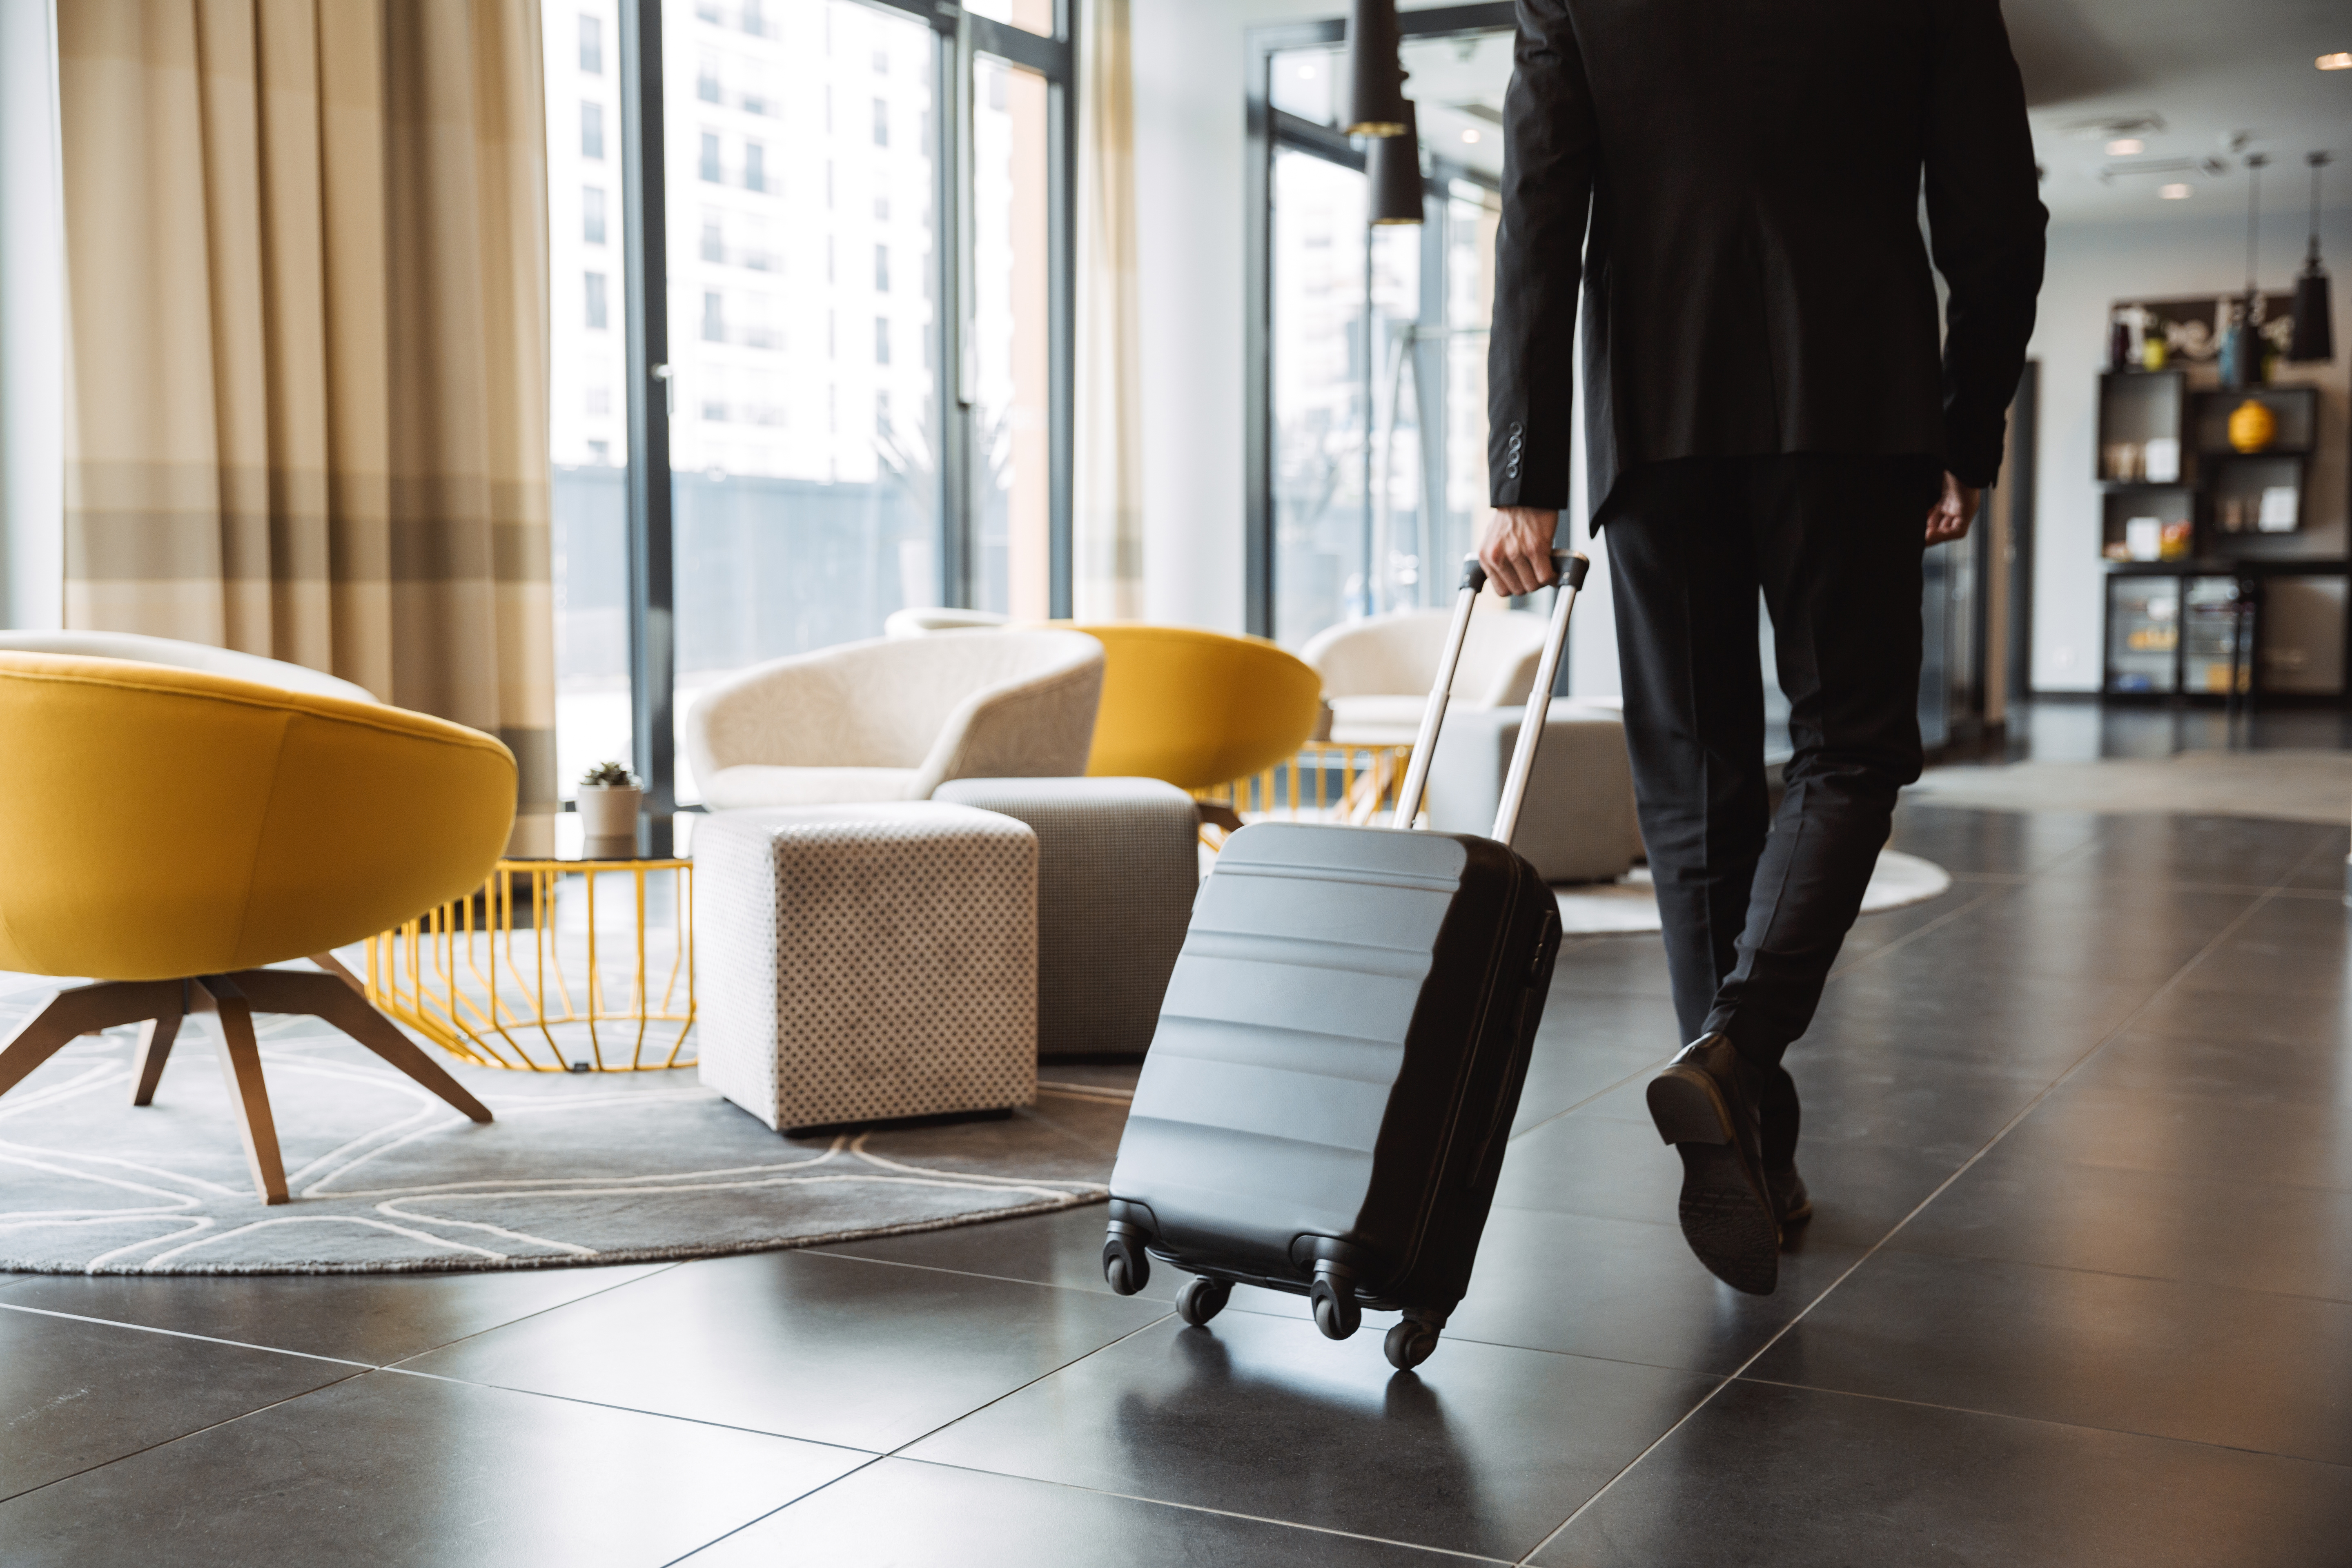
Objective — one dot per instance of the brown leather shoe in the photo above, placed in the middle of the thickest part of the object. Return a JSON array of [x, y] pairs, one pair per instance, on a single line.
[[1704, 1104]]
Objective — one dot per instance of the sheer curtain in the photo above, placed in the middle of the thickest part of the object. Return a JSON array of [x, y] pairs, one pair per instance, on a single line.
[[307, 344], [1106, 524]]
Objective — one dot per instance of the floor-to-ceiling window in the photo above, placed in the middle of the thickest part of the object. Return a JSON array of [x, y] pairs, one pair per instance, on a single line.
[[1372, 339], [864, 244], [588, 366]]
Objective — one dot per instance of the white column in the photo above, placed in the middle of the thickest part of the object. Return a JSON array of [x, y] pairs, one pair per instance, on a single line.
[[31, 323]]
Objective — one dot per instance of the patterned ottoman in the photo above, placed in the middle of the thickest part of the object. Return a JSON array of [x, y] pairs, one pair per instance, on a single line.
[[1118, 863], [864, 962]]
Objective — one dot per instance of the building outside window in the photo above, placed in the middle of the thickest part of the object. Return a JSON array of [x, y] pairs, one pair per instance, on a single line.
[[593, 291], [592, 45], [795, 523], [591, 131], [591, 215]]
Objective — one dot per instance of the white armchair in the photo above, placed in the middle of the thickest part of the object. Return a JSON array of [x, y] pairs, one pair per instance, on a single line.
[[1377, 673], [895, 718]]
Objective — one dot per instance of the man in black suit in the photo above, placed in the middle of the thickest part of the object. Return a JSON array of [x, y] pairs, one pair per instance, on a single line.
[[1766, 409]]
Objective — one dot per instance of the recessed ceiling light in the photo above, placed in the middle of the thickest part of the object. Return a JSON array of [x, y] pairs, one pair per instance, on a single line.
[[1469, 136], [2339, 61], [2175, 192], [2126, 147]]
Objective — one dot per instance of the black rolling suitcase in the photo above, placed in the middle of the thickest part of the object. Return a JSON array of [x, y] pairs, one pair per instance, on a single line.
[[1326, 1099]]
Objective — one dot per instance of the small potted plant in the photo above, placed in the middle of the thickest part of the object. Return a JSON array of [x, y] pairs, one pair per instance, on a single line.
[[610, 796]]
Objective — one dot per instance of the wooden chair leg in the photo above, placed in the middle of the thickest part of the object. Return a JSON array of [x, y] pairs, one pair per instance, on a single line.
[[240, 1060], [81, 1010], [328, 997], [156, 1038], [337, 967]]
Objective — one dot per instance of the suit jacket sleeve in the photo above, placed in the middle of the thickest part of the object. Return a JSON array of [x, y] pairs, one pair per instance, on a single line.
[[1549, 138], [1984, 221]]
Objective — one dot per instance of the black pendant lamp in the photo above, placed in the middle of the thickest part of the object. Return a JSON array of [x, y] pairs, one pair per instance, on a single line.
[[1376, 105], [2314, 332], [1393, 169]]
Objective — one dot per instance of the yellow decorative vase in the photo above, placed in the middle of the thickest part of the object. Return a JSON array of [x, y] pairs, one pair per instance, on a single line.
[[2253, 426]]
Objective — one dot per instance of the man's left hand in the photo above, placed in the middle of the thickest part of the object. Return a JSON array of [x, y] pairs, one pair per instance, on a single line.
[[1953, 511]]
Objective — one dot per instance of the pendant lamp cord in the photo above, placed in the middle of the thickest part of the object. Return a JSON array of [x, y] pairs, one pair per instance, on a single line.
[[2254, 161], [2318, 161]]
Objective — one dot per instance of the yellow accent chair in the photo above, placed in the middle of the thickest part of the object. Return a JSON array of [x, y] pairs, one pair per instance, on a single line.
[[1197, 708], [171, 832]]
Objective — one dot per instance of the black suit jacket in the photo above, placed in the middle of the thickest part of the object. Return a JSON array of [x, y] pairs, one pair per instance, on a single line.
[[1743, 179]]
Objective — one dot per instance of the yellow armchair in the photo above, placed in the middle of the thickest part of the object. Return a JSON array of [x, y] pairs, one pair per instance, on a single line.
[[1197, 708], [171, 831]]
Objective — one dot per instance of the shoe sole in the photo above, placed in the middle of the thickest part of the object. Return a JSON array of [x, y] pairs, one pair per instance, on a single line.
[[1726, 1216]]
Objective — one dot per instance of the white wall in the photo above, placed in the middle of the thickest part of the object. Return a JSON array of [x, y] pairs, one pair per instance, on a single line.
[[1190, 87], [32, 324], [2173, 253]]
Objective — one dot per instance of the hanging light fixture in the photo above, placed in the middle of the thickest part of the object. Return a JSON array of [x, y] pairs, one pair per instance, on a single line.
[[2242, 347], [2314, 332], [1393, 170], [1376, 105]]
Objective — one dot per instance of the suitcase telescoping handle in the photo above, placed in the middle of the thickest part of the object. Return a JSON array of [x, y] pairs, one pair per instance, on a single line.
[[1570, 569]]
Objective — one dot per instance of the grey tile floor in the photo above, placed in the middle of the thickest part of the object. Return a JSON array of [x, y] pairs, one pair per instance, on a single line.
[[2080, 1290]]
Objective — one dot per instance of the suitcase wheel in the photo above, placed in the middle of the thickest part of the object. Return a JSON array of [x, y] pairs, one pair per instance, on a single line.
[[1203, 1298], [1125, 1264], [1409, 1344], [1336, 1311]]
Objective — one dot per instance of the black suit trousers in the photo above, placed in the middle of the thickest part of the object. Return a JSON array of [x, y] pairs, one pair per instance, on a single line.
[[1756, 904]]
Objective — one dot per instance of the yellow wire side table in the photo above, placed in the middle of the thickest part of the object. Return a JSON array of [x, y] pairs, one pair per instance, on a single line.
[[1302, 789], [492, 979]]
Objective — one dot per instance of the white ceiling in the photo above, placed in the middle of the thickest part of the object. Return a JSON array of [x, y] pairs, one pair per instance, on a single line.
[[2212, 71]]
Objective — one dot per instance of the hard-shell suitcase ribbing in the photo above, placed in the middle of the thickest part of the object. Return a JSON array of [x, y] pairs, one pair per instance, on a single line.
[[1340, 1051]]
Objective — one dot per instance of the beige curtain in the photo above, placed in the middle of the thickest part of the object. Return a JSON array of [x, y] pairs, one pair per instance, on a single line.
[[306, 257], [1107, 522]]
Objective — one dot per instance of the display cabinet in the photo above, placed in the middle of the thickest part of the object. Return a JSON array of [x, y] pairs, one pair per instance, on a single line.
[[2190, 632]]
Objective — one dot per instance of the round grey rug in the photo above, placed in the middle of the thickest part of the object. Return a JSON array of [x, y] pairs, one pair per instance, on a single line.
[[1624, 907], [592, 1169]]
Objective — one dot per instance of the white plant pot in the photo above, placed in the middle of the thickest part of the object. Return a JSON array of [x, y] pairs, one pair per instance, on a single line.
[[609, 812]]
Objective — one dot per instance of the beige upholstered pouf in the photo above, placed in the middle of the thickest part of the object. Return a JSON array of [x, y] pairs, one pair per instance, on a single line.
[[1119, 864], [866, 962]]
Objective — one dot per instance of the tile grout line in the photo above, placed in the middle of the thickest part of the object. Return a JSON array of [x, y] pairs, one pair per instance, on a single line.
[[1970, 1163], [184, 1335], [2047, 1421], [900, 1451], [198, 1432], [1032, 1383], [1225, 1513], [871, 1460], [281, 1349], [658, 1270], [1100, 1492], [621, 1409]]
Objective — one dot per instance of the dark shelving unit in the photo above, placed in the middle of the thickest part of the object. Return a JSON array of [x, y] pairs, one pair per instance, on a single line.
[[2188, 626]]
